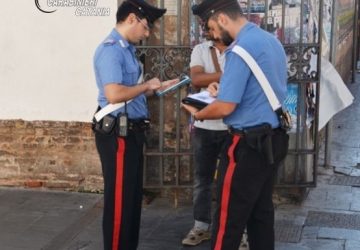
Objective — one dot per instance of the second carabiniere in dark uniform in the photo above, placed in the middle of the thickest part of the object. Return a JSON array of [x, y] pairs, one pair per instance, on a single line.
[[257, 143], [120, 134]]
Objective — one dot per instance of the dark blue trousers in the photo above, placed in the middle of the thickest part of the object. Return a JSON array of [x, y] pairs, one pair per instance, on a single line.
[[122, 167], [245, 187]]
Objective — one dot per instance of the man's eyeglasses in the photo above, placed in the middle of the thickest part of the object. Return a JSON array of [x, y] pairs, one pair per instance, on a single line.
[[146, 26]]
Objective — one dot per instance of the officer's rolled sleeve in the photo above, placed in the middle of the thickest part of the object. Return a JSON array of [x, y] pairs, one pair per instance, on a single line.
[[108, 67], [234, 80]]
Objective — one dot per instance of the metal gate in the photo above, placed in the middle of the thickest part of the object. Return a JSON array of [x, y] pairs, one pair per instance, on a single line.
[[166, 54]]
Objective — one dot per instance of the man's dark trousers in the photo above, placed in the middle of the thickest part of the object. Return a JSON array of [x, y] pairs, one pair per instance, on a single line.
[[245, 195], [122, 166], [207, 147]]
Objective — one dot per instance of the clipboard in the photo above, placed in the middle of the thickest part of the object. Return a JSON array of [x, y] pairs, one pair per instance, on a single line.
[[184, 79], [194, 103], [199, 100]]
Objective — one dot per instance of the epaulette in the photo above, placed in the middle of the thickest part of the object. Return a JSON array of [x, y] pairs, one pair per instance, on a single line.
[[109, 42]]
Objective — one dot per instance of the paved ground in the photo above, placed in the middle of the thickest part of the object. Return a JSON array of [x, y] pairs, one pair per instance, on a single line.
[[328, 219]]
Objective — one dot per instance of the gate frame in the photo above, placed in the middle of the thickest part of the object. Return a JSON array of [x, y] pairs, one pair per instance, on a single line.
[[300, 78]]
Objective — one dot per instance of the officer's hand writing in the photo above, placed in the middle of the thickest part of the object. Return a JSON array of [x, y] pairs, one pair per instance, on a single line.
[[213, 88]]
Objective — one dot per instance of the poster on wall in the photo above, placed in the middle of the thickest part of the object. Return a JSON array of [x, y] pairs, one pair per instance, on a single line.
[[291, 103], [286, 29]]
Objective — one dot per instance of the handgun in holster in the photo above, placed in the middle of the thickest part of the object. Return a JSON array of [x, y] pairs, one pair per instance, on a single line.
[[260, 138]]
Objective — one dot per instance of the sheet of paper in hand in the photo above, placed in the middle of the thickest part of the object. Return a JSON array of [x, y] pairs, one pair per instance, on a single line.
[[199, 100]]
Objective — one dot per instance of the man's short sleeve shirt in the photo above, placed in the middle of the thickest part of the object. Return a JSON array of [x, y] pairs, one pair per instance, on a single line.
[[115, 62], [201, 56], [239, 85]]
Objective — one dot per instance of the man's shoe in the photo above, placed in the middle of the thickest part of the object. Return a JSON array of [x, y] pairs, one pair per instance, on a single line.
[[244, 245], [196, 236]]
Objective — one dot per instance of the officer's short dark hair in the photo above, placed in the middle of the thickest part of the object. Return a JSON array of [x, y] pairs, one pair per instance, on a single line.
[[232, 12], [125, 9], [211, 9]]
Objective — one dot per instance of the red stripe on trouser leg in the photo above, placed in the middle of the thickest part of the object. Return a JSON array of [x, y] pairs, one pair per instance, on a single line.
[[226, 194], [118, 192]]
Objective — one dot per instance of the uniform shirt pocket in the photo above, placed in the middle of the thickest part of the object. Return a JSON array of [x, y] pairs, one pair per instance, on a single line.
[[130, 73]]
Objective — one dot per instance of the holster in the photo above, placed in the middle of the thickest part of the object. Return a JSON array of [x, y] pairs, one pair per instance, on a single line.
[[139, 125], [109, 124], [284, 118], [118, 126], [105, 125], [260, 138]]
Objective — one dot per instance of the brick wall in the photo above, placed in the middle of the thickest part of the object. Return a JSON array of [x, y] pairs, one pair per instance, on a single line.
[[49, 154]]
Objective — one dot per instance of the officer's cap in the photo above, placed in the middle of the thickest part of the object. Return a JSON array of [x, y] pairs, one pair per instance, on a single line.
[[150, 12], [209, 7]]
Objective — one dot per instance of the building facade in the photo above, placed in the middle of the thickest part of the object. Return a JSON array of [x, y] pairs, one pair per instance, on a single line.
[[48, 91]]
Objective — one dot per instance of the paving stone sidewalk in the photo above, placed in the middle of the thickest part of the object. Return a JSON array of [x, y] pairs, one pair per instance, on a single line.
[[329, 217]]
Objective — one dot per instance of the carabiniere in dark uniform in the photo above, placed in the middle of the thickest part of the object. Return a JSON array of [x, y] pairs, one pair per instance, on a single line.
[[257, 141], [120, 135]]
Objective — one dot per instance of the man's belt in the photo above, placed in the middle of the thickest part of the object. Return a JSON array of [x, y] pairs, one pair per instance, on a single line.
[[254, 130], [139, 124], [258, 138], [235, 131]]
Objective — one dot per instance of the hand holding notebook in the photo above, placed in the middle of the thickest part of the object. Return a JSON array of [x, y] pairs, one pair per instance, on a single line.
[[199, 100]]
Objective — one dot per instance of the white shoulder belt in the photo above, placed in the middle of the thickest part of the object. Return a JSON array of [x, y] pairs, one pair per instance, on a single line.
[[260, 76], [112, 107]]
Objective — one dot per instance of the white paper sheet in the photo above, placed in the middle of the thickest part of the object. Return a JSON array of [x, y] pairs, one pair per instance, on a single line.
[[203, 96], [334, 95]]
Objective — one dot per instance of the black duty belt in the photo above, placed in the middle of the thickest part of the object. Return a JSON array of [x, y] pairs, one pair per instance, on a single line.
[[259, 138], [235, 131], [139, 124], [258, 129]]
